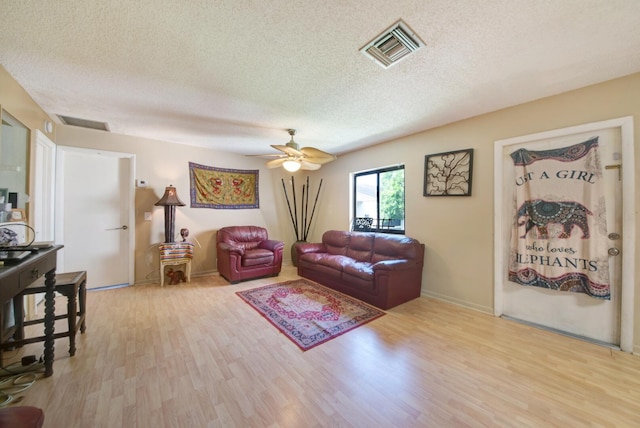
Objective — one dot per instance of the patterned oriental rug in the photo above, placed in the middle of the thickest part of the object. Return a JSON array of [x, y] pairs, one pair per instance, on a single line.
[[308, 313]]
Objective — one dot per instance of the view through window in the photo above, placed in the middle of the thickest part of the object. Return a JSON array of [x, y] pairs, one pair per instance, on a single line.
[[379, 200]]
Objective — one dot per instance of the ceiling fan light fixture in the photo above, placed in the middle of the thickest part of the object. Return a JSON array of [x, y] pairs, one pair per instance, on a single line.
[[294, 158], [291, 165]]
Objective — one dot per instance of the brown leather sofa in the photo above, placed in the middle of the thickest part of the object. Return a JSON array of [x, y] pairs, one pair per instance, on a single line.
[[246, 252], [383, 270]]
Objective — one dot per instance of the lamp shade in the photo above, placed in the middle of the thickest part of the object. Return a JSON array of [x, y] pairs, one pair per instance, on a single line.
[[169, 198], [169, 201]]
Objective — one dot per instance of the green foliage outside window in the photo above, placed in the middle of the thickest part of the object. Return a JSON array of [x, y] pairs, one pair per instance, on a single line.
[[392, 195]]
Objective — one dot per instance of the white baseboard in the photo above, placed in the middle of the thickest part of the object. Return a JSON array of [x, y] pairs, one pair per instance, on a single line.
[[465, 304]]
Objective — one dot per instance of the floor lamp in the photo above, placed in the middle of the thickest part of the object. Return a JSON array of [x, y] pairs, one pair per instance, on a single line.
[[169, 201]]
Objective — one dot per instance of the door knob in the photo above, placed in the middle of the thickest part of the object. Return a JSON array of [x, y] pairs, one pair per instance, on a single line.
[[613, 251]]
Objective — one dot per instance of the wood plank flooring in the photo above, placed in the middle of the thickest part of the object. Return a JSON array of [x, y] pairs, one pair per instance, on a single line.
[[196, 355]]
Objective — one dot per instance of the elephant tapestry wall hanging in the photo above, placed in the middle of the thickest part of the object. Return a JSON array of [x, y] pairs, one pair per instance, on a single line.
[[559, 237]]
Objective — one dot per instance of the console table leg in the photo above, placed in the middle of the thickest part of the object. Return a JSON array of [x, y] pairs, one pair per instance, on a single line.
[[82, 296], [49, 321]]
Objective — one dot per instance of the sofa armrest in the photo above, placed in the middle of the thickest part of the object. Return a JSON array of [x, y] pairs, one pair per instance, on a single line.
[[400, 264], [310, 248], [271, 245], [230, 248]]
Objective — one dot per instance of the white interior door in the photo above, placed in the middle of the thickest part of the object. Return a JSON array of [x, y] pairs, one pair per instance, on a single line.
[[95, 216], [574, 313]]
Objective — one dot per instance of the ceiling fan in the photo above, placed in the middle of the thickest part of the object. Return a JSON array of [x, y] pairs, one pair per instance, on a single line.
[[295, 158]]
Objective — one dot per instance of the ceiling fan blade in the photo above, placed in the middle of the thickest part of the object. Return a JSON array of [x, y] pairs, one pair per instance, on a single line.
[[269, 156], [320, 161], [288, 150], [314, 155], [308, 165], [276, 162]]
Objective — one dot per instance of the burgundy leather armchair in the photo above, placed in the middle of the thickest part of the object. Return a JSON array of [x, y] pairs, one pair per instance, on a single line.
[[246, 252]]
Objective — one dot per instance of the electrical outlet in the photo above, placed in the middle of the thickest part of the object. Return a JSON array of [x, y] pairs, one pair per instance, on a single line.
[[147, 216]]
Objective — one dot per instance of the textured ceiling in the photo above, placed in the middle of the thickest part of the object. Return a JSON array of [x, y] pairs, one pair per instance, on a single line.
[[233, 75]]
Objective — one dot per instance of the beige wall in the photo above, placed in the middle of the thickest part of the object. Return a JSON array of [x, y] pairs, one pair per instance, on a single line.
[[458, 232], [15, 100]]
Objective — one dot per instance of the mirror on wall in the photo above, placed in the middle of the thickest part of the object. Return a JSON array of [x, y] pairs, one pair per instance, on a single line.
[[14, 173]]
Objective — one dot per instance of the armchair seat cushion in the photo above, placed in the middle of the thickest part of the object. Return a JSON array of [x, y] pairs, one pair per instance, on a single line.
[[246, 252], [256, 257]]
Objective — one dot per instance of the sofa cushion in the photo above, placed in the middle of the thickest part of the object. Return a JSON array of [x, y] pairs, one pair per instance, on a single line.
[[336, 242], [330, 261], [393, 247], [362, 270], [361, 246]]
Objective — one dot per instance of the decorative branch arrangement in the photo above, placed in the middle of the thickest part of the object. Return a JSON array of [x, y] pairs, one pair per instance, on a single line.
[[301, 227]]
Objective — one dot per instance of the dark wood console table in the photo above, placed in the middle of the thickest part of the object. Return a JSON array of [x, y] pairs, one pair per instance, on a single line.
[[16, 277]]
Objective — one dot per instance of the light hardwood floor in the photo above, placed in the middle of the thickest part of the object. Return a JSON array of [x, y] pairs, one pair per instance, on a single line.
[[196, 355]]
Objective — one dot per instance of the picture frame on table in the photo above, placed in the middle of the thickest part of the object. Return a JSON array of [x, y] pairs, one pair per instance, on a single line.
[[4, 195], [18, 214], [448, 173]]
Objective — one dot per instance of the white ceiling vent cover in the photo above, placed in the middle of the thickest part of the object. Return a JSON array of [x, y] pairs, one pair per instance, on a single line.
[[394, 44]]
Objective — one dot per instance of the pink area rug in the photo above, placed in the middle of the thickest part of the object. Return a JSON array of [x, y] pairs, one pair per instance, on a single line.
[[308, 313]]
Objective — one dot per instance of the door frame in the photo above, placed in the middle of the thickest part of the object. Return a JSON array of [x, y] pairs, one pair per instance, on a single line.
[[129, 195], [44, 165], [501, 237]]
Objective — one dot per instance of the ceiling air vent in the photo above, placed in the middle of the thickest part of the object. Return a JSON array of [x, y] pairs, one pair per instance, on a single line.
[[84, 123], [394, 44]]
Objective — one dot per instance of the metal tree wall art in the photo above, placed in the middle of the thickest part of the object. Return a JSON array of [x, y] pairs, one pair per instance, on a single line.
[[448, 174], [301, 219]]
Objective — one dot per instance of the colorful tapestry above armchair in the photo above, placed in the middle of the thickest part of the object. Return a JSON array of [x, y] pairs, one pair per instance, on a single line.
[[223, 188]]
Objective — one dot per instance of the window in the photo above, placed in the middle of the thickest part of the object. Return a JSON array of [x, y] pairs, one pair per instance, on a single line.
[[378, 204]]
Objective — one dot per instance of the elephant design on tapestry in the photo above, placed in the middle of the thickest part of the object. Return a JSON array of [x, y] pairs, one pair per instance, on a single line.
[[540, 214]]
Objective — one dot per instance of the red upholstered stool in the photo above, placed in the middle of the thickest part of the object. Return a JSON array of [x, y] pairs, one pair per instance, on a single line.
[[21, 417]]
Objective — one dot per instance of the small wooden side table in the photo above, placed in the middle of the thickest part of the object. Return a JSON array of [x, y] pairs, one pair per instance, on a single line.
[[176, 253]]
